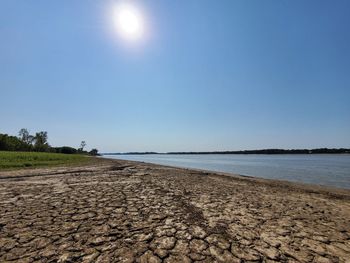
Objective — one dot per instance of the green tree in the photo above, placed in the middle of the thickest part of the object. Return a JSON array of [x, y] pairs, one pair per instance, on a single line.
[[93, 152], [41, 144], [12, 143], [25, 137]]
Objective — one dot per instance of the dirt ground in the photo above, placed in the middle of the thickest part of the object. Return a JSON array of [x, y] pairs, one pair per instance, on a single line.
[[120, 211]]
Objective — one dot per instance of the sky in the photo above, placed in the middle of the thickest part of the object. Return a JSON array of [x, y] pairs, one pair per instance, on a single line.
[[206, 75]]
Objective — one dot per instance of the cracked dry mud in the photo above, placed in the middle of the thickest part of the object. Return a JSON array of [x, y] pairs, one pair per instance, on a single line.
[[120, 211]]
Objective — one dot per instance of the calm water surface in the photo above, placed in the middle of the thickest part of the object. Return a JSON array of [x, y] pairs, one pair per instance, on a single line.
[[322, 169]]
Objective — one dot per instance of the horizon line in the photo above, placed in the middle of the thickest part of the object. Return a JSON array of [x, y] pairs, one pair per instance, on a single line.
[[266, 150]]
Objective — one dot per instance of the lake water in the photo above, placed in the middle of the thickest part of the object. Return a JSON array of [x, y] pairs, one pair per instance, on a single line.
[[322, 169]]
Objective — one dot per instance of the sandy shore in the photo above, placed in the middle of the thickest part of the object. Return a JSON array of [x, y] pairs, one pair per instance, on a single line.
[[121, 211]]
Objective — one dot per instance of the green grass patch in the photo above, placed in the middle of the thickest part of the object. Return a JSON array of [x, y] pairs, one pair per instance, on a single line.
[[16, 160]]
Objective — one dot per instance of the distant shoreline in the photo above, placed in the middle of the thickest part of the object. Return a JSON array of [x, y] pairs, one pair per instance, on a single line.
[[263, 151]]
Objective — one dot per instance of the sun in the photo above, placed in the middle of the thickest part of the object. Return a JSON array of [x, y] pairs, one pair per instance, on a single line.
[[129, 21]]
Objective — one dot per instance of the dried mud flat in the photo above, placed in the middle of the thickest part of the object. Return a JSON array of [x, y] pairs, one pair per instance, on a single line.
[[119, 211]]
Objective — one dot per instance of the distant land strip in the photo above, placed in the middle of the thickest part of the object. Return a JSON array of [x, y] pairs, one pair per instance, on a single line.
[[264, 151]]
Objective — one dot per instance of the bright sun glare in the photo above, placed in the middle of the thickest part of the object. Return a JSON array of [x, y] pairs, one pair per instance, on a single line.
[[129, 21]]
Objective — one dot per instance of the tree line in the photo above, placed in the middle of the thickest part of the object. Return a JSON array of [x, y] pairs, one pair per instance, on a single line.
[[38, 142], [275, 151]]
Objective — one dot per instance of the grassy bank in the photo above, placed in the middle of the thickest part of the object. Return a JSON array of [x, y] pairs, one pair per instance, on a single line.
[[13, 160]]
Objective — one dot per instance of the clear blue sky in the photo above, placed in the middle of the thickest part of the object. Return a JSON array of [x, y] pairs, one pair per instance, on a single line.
[[212, 75]]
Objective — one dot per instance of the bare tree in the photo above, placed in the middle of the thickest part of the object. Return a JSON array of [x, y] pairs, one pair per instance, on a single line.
[[82, 146]]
